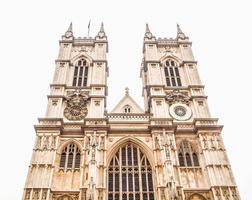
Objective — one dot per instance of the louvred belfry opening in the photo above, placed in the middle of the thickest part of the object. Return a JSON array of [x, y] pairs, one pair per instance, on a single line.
[[130, 175]]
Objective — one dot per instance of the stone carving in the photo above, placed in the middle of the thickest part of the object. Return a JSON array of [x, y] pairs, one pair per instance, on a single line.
[[226, 194], [76, 108], [38, 142], [102, 146], [44, 194], [212, 142], [87, 142], [52, 142], [91, 187], [218, 194], [27, 194], [157, 145], [234, 194], [35, 195], [177, 97], [45, 142], [197, 196]]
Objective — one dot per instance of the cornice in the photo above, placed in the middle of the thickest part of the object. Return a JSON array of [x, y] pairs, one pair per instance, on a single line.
[[189, 62], [62, 60]]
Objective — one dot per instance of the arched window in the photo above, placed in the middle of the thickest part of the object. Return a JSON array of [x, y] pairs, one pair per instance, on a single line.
[[130, 175], [172, 73], [181, 160], [70, 157], [195, 159], [80, 73], [187, 156]]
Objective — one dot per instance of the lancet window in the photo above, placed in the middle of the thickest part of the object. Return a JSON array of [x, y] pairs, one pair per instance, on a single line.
[[127, 109], [187, 156], [80, 73], [172, 76], [130, 175], [70, 157]]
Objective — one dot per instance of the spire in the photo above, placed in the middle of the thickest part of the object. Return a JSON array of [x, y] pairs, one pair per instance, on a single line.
[[70, 28]]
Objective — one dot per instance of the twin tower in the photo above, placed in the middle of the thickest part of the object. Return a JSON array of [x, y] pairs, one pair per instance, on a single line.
[[170, 150]]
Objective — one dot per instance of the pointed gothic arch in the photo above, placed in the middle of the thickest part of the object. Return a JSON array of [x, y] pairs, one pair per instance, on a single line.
[[196, 196], [130, 174], [65, 197], [171, 71], [187, 154], [70, 156], [78, 143], [81, 55], [172, 57], [146, 150]]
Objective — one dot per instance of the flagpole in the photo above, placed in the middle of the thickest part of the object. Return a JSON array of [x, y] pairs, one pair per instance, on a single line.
[[89, 27]]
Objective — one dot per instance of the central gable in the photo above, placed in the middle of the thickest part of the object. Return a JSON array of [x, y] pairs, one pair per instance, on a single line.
[[127, 105]]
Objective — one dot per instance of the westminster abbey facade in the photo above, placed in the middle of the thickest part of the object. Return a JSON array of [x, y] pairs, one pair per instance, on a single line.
[[171, 149]]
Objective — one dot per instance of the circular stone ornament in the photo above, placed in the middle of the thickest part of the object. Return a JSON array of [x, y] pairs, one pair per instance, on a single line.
[[180, 112]]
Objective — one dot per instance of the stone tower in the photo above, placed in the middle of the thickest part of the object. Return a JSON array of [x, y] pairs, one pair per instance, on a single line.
[[170, 150]]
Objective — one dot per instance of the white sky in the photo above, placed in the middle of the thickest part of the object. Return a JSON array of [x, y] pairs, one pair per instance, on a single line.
[[221, 34]]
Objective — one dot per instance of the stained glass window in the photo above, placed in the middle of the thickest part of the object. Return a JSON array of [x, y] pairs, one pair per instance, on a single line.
[[80, 73], [136, 180], [70, 157], [172, 76]]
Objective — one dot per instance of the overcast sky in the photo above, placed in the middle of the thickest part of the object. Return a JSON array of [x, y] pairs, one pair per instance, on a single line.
[[221, 35]]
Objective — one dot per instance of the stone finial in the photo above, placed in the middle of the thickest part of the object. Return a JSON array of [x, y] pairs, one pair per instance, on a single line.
[[179, 29], [126, 91], [101, 34], [70, 28], [180, 34], [102, 27], [147, 29], [69, 32], [148, 33]]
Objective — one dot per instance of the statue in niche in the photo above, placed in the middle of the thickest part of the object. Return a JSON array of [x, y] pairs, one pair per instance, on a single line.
[[212, 143], [91, 189], [38, 143], [157, 143], [52, 142], [45, 142], [87, 142], [102, 143], [205, 142]]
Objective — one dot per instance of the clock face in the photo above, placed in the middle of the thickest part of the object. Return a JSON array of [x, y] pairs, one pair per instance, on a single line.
[[180, 111], [75, 113], [76, 109]]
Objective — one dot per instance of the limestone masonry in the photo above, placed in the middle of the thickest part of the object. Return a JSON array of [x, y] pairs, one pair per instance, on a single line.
[[170, 150]]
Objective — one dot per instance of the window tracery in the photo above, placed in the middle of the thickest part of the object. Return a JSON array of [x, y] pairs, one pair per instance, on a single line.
[[80, 73], [172, 76], [70, 157], [187, 156], [130, 175]]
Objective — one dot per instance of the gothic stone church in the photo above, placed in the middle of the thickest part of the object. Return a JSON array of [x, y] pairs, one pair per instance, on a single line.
[[171, 149]]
